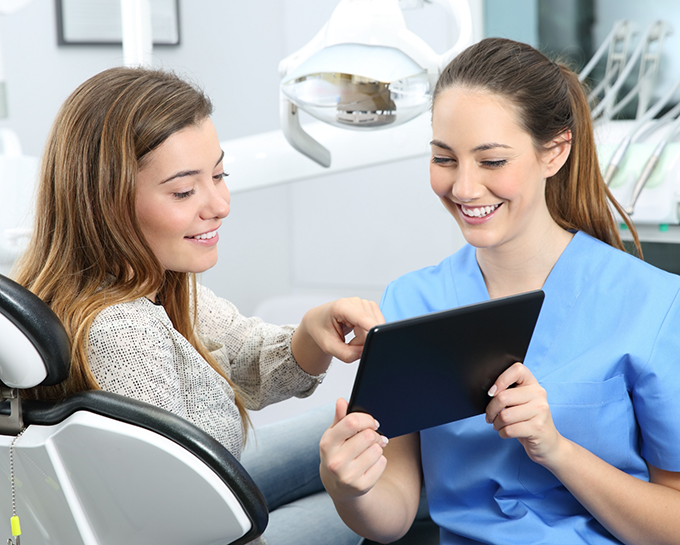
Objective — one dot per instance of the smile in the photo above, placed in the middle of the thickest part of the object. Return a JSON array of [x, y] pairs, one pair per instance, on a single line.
[[205, 236], [478, 211]]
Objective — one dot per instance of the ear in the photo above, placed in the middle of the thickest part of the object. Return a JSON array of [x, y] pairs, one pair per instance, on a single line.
[[557, 153]]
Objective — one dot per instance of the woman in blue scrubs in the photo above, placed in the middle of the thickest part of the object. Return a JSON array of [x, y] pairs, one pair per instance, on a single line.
[[586, 447]]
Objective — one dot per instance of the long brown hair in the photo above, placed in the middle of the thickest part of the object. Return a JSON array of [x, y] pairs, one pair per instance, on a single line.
[[550, 101], [87, 250]]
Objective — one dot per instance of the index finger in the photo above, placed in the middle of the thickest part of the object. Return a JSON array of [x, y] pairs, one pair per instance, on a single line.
[[359, 313]]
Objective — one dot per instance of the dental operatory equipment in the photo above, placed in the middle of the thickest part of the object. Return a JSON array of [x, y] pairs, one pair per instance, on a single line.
[[616, 45], [99, 468], [648, 53], [639, 127], [364, 70], [654, 159]]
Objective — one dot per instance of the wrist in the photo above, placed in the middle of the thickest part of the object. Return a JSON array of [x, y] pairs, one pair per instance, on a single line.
[[560, 457], [307, 353]]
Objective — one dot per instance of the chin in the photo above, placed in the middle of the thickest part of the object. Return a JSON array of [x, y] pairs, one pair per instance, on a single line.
[[206, 262], [202, 269], [480, 239], [194, 268]]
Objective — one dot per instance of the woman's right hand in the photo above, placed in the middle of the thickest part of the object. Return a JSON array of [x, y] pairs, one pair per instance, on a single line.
[[352, 458], [377, 501]]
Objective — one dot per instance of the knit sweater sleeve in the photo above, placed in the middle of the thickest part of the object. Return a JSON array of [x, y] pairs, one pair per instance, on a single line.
[[255, 355]]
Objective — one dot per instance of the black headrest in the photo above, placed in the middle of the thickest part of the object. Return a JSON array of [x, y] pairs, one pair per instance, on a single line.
[[36, 321]]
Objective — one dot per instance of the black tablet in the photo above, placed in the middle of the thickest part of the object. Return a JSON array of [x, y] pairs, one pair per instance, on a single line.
[[436, 368]]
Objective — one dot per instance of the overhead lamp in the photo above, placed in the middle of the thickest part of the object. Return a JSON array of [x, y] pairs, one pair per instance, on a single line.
[[364, 70]]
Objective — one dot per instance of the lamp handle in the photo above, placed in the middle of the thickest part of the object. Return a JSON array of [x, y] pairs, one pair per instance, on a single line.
[[297, 137], [460, 11]]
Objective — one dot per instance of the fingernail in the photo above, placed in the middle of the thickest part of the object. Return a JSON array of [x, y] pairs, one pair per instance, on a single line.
[[493, 390], [385, 440], [377, 424]]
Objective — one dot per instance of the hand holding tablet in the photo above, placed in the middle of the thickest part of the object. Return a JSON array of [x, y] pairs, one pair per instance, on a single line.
[[436, 368]]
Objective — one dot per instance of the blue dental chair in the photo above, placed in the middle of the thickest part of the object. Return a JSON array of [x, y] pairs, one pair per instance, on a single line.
[[103, 469]]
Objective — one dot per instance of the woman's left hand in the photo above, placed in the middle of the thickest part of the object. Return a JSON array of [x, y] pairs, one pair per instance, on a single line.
[[519, 409], [321, 334]]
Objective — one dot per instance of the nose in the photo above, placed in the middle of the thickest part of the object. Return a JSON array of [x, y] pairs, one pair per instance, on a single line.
[[466, 186], [217, 202]]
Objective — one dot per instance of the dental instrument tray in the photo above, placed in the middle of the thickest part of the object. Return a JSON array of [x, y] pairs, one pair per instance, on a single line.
[[437, 368]]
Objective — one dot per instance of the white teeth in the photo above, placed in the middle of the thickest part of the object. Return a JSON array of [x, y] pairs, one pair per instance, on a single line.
[[479, 211], [205, 236]]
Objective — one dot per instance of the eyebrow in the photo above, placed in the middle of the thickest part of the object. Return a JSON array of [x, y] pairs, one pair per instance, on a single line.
[[185, 173], [481, 147], [490, 145]]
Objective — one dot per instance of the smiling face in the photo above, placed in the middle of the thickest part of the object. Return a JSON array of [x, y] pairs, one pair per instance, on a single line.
[[182, 199], [487, 171]]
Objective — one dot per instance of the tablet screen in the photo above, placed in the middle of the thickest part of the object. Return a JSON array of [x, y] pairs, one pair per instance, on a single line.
[[436, 368]]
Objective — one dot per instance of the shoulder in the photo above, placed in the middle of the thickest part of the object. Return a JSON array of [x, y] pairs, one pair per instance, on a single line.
[[139, 310], [207, 300], [211, 308], [125, 322], [610, 292], [429, 289], [427, 279], [621, 270]]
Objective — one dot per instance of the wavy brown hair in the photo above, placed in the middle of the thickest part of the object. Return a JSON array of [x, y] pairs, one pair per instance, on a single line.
[[87, 250], [550, 101]]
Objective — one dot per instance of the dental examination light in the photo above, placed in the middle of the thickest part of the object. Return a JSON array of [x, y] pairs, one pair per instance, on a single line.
[[364, 70], [649, 57]]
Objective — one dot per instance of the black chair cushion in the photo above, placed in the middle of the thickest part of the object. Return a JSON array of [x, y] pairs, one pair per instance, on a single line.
[[40, 325]]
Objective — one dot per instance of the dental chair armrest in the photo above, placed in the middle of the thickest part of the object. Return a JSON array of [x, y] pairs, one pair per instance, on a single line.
[[210, 451]]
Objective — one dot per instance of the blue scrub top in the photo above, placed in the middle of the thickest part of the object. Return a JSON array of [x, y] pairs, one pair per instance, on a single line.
[[607, 350]]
